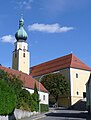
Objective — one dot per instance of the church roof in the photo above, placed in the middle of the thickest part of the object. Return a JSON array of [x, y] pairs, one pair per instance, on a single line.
[[27, 79], [68, 61]]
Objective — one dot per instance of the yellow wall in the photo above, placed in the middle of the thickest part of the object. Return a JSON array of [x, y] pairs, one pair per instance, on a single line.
[[64, 101], [24, 62], [78, 84], [20, 62], [15, 60]]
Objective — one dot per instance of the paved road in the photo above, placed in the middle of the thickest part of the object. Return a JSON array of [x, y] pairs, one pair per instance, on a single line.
[[67, 115]]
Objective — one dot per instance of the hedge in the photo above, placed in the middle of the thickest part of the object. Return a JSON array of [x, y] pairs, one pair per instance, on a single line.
[[7, 98], [44, 108]]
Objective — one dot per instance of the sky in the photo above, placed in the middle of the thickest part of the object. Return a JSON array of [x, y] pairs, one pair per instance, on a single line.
[[55, 28]]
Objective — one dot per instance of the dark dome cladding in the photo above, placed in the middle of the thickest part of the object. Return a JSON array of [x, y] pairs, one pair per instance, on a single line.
[[21, 34]]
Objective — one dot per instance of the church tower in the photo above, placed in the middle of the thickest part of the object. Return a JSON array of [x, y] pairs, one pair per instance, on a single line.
[[20, 58]]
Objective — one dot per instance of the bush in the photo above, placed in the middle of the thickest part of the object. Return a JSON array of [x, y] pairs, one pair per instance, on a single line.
[[7, 98], [10, 88], [34, 106], [13, 82], [24, 100], [34, 102], [44, 108]]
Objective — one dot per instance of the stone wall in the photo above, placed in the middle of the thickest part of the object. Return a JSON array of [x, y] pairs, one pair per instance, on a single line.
[[18, 114]]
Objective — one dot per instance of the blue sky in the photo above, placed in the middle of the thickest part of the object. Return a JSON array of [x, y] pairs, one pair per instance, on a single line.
[[55, 28]]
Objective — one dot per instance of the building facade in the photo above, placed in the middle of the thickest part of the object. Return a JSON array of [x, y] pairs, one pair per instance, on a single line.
[[74, 70], [88, 95]]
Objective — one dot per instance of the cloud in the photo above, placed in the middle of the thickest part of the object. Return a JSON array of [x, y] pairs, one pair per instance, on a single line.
[[23, 4], [27, 4], [49, 28], [8, 39]]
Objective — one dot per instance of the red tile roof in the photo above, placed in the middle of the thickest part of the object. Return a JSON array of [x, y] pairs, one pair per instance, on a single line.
[[27, 79], [68, 61]]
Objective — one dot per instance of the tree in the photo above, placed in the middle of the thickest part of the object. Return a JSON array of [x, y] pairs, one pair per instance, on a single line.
[[12, 80], [10, 88], [56, 85], [35, 99], [7, 98], [24, 102], [16, 85], [35, 89]]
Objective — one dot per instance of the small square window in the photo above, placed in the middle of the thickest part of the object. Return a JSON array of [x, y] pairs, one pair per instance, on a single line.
[[76, 75]]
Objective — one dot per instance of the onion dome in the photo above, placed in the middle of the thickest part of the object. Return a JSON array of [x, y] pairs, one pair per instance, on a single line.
[[21, 34]]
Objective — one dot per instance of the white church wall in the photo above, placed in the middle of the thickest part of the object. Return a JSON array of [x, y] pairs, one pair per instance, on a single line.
[[44, 97]]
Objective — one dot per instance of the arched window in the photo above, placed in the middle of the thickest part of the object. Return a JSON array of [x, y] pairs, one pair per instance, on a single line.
[[77, 93], [23, 54], [76, 75]]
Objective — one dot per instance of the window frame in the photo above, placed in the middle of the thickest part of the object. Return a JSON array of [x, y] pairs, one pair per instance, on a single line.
[[24, 55], [76, 75], [44, 97]]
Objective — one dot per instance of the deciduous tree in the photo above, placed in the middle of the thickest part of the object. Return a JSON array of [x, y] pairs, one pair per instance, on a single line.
[[56, 85]]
